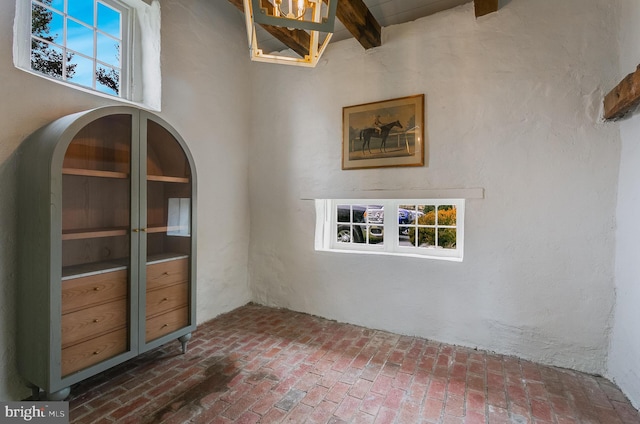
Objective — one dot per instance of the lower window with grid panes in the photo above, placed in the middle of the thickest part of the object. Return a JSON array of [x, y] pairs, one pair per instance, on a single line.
[[428, 228]]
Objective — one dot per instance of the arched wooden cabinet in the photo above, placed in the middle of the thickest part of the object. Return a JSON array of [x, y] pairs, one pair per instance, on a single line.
[[106, 244]]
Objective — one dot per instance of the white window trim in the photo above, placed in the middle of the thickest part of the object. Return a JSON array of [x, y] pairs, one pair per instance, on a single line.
[[326, 230], [144, 86]]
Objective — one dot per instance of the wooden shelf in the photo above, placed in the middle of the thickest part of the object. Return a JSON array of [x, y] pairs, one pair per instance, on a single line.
[[162, 229], [85, 270], [94, 233], [121, 175], [94, 173], [167, 179], [95, 268], [165, 257]]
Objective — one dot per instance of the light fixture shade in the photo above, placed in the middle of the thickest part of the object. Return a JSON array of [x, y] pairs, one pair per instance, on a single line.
[[316, 24], [265, 13]]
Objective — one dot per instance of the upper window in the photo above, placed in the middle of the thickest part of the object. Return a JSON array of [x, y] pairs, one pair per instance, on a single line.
[[427, 228], [84, 42], [93, 45]]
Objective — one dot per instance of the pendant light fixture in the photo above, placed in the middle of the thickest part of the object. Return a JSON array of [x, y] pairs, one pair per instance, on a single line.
[[314, 18]]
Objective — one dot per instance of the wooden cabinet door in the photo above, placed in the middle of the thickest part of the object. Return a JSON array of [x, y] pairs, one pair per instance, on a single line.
[[96, 243], [168, 231]]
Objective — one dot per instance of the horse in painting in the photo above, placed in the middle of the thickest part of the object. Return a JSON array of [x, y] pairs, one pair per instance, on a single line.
[[368, 133]]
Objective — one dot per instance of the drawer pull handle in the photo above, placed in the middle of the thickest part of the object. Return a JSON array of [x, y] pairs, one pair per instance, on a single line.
[[96, 289], [96, 352], [165, 273], [96, 320], [165, 299], [165, 325]]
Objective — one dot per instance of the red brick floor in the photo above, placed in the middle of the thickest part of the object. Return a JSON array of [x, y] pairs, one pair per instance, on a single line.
[[263, 365]]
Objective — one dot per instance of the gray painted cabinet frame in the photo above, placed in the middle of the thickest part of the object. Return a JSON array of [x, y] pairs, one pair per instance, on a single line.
[[40, 274]]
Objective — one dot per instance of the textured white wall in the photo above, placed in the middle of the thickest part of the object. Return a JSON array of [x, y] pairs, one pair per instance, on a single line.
[[512, 105], [205, 68], [624, 358]]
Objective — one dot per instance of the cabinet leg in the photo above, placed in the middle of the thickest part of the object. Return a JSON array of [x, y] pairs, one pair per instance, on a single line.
[[35, 391], [61, 394], [184, 340]]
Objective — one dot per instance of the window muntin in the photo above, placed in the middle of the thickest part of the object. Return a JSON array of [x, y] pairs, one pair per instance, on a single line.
[[83, 42], [424, 227], [141, 77], [359, 224]]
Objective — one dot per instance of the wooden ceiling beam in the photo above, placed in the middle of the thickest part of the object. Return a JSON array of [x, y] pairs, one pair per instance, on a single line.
[[354, 15], [357, 18], [484, 7], [624, 98]]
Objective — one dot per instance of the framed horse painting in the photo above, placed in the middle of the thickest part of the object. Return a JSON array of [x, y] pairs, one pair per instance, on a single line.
[[385, 133]]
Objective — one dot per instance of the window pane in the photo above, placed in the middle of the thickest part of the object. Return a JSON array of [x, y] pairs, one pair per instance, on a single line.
[[344, 213], [404, 238], [109, 20], [447, 238], [80, 38], [413, 231], [46, 58], [344, 234], [108, 80], [57, 4], [83, 68], [359, 234], [46, 24], [101, 31], [358, 213], [375, 214], [429, 217], [426, 237], [406, 214], [446, 215], [425, 228], [81, 10], [108, 50], [376, 234]]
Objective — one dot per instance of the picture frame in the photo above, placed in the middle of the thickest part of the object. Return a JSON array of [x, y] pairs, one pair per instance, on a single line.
[[384, 134]]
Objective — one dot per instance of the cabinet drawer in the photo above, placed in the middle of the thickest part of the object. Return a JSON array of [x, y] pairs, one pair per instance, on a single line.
[[166, 323], [167, 273], [93, 351], [93, 321], [166, 298], [100, 288]]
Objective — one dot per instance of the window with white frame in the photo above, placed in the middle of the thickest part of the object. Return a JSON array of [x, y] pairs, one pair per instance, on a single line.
[[92, 44], [432, 228]]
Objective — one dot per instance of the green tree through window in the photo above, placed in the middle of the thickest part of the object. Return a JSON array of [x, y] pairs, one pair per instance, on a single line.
[[51, 55], [44, 57]]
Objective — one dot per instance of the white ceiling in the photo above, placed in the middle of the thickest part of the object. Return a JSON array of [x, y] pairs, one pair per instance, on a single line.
[[392, 12], [386, 12]]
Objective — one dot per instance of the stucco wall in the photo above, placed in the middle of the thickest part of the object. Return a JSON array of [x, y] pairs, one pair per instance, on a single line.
[[512, 106], [205, 97], [624, 359]]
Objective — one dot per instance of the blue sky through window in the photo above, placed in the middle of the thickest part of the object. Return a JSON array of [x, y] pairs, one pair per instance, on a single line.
[[80, 38], [58, 4], [90, 30], [81, 10], [109, 21]]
